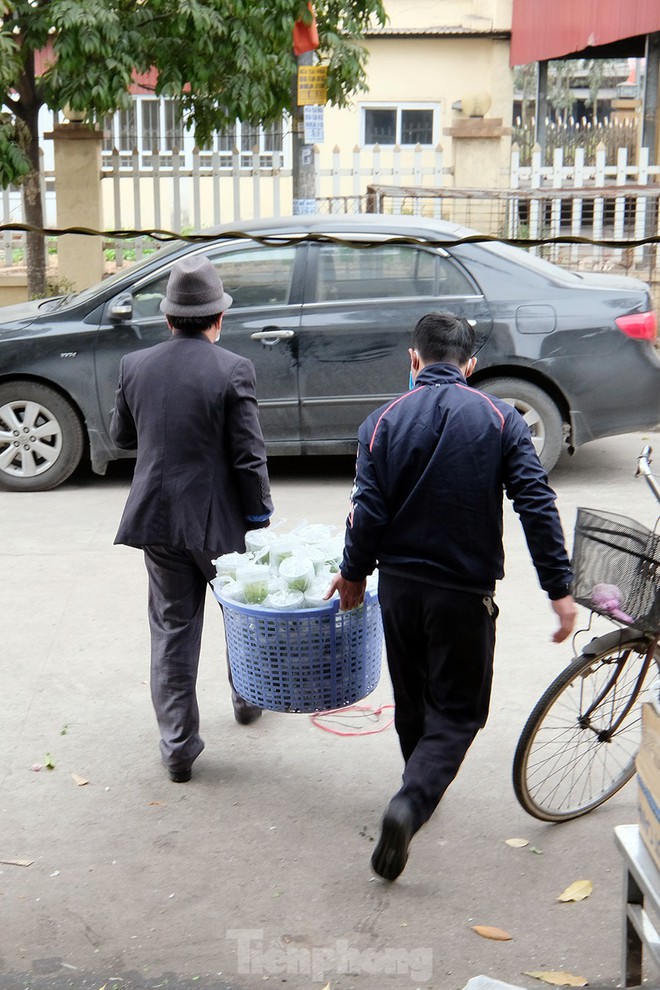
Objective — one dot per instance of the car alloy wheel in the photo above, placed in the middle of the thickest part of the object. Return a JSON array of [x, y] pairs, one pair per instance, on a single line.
[[41, 438]]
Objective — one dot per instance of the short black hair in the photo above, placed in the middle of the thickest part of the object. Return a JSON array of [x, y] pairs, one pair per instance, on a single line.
[[443, 338], [193, 324]]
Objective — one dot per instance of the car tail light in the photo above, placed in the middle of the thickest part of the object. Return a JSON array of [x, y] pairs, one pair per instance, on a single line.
[[641, 326]]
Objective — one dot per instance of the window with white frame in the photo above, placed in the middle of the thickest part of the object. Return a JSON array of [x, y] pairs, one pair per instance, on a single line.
[[149, 124], [245, 137], [402, 124], [120, 130], [154, 125]]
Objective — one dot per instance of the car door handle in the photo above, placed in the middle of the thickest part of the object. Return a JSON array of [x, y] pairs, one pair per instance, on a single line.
[[272, 334]]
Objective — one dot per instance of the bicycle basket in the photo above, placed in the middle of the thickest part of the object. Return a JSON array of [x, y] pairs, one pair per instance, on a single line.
[[307, 660], [616, 568]]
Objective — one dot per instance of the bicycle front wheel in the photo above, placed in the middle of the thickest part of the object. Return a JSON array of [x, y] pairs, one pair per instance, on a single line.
[[579, 744]]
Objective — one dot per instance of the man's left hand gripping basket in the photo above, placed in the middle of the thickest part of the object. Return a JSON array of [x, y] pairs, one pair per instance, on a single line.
[[310, 660]]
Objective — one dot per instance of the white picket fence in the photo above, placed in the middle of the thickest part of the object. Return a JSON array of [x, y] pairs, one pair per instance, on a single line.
[[165, 194], [598, 202], [622, 200], [165, 191]]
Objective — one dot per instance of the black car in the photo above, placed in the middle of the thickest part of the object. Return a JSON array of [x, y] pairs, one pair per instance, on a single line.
[[324, 307]]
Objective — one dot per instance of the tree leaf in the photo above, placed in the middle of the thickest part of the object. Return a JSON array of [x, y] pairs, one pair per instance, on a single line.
[[517, 843], [577, 891], [488, 931], [559, 979]]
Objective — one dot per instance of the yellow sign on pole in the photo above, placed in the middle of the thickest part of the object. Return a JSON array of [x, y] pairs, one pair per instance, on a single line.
[[312, 85]]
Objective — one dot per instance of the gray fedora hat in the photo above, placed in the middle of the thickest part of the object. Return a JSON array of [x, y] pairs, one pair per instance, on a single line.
[[194, 289]]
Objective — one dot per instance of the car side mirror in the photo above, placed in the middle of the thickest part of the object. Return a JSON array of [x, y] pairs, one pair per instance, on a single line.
[[121, 308]]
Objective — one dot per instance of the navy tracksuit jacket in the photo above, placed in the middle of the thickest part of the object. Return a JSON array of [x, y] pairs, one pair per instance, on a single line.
[[431, 469]]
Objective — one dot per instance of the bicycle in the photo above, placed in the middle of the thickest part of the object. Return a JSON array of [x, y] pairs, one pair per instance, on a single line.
[[579, 744]]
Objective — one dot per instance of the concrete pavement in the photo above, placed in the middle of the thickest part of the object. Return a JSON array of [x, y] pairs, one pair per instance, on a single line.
[[258, 871]]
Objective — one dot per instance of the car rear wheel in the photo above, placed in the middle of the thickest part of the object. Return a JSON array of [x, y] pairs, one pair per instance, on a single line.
[[41, 437], [537, 409]]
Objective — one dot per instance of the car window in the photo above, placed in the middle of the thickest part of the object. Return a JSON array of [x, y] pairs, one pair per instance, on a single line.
[[390, 271], [147, 298], [519, 256], [252, 276], [258, 276]]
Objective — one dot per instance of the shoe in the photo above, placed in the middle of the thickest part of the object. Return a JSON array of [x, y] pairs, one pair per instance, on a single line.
[[244, 713], [391, 853], [180, 776]]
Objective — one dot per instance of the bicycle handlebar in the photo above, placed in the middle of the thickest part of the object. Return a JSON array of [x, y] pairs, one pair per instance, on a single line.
[[644, 468]]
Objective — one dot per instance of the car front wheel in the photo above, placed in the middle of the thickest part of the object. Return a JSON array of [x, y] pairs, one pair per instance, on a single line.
[[537, 409], [41, 437]]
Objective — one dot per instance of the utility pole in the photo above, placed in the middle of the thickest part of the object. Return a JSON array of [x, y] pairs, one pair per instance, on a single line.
[[304, 179], [541, 108], [650, 120]]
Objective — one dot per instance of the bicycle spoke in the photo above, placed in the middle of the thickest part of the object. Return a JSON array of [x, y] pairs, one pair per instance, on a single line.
[[579, 745]]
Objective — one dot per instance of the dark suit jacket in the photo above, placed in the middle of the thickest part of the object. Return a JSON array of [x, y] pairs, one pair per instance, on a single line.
[[189, 407]]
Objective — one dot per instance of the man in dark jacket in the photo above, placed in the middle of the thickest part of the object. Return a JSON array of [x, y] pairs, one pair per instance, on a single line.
[[200, 483], [427, 511]]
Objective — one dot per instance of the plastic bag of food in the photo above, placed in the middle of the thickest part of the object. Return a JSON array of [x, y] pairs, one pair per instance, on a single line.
[[314, 596], [298, 572], [234, 592], [280, 549], [228, 562], [286, 600], [258, 542], [255, 580], [314, 533]]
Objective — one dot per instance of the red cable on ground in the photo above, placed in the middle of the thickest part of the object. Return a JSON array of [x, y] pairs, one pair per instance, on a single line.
[[361, 709]]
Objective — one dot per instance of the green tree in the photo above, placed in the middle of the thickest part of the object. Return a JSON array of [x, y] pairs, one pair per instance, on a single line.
[[222, 59], [560, 93], [600, 73], [525, 82]]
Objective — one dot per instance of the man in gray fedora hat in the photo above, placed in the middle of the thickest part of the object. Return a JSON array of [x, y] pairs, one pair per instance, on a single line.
[[200, 483]]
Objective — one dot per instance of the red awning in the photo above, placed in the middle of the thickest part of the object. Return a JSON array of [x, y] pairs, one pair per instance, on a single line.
[[543, 30]]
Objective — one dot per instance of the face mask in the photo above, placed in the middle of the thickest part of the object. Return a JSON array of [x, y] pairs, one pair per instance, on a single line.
[[411, 382]]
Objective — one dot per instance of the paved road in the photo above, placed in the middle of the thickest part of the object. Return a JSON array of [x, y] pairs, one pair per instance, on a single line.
[[258, 871]]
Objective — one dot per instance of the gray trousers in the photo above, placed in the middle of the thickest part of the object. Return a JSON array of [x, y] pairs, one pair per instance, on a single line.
[[178, 580]]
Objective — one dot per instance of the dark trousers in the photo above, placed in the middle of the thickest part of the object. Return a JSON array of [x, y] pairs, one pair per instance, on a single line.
[[440, 646], [177, 589]]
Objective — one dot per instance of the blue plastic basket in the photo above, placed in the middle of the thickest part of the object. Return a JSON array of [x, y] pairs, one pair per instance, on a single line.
[[309, 660]]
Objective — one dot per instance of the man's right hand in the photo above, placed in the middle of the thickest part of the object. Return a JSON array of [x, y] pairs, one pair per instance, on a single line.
[[567, 611], [351, 593]]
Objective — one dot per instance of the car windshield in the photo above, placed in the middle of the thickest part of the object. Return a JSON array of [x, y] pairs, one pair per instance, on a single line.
[[132, 269]]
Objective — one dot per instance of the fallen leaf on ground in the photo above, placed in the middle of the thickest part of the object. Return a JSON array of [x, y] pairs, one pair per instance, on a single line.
[[36, 767], [50, 762], [488, 931], [517, 843], [559, 979], [577, 891], [80, 781], [536, 850], [17, 862], [159, 803]]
